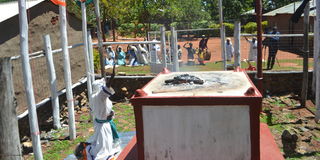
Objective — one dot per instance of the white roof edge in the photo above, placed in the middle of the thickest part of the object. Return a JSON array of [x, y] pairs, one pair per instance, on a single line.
[[11, 9]]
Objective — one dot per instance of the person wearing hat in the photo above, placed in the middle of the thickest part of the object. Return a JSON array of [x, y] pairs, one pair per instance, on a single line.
[[229, 49], [191, 51], [203, 43], [110, 56], [273, 47], [121, 57], [253, 49]]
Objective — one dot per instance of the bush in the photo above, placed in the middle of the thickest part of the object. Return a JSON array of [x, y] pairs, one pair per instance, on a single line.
[[96, 60], [128, 29], [251, 27], [229, 29]]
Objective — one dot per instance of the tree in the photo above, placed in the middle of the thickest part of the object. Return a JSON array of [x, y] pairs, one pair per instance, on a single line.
[[269, 5]]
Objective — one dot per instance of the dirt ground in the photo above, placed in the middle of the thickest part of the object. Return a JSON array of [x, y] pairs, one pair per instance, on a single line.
[[214, 45], [38, 27]]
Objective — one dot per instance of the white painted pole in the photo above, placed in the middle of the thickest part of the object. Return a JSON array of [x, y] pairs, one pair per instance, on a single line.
[[91, 57], [315, 52], [67, 71], [27, 78], [52, 82], [318, 65], [169, 49], [237, 53], [85, 51], [174, 49], [163, 46], [222, 36]]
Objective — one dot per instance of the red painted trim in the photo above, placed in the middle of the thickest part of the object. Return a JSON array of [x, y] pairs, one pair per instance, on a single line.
[[126, 151], [139, 128], [269, 148]]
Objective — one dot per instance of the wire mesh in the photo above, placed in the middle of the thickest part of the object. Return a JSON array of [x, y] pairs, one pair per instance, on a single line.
[[288, 57]]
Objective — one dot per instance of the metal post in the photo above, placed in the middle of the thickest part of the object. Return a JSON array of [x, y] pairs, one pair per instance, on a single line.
[[174, 49], [304, 92], [67, 71], [315, 53], [99, 33], [91, 57], [9, 136], [169, 49], [259, 76], [85, 51], [318, 65], [52, 82], [27, 78], [222, 36], [237, 54], [163, 46]]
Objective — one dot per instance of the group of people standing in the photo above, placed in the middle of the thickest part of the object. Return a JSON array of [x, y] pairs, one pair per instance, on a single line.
[[271, 42], [138, 55]]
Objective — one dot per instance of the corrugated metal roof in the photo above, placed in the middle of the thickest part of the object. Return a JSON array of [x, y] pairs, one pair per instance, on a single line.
[[10, 9], [290, 9]]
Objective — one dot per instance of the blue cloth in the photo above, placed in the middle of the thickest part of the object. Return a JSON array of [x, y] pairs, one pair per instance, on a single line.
[[115, 134], [121, 58]]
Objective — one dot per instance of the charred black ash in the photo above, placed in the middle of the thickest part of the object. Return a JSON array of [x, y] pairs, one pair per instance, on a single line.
[[184, 78]]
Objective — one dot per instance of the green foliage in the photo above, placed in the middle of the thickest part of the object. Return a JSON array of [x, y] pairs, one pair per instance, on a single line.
[[251, 27], [96, 60], [229, 29], [269, 5], [132, 29]]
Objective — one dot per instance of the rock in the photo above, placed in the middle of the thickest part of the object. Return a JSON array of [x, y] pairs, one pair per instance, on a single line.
[[289, 142], [84, 109], [77, 108], [306, 136], [309, 127], [124, 89], [303, 129], [27, 144]]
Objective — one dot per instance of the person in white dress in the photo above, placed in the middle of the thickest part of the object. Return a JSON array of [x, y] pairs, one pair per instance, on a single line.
[[229, 49], [104, 143], [253, 49]]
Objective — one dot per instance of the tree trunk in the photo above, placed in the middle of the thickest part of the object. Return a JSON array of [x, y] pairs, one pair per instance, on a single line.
[[9, 132], [113, 30]]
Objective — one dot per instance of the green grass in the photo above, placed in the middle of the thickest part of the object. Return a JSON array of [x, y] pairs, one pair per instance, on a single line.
[[278, 103], [62, 148], [214, 66], [290, 116], [84, 117], [132, 70], [124, 118]]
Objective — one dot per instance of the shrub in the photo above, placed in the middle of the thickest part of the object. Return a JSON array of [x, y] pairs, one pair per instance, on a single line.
[[251, 27], [96, 60], [229, 29]]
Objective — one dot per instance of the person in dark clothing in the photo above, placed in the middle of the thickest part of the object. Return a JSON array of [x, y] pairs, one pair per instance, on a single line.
[[273, 44], [203, 43], [191, 51]]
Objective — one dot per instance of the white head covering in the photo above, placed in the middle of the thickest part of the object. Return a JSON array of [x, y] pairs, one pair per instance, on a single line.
[[97, 85]]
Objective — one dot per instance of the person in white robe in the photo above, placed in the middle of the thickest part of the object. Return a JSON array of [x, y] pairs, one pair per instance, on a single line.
[[229, 49]]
